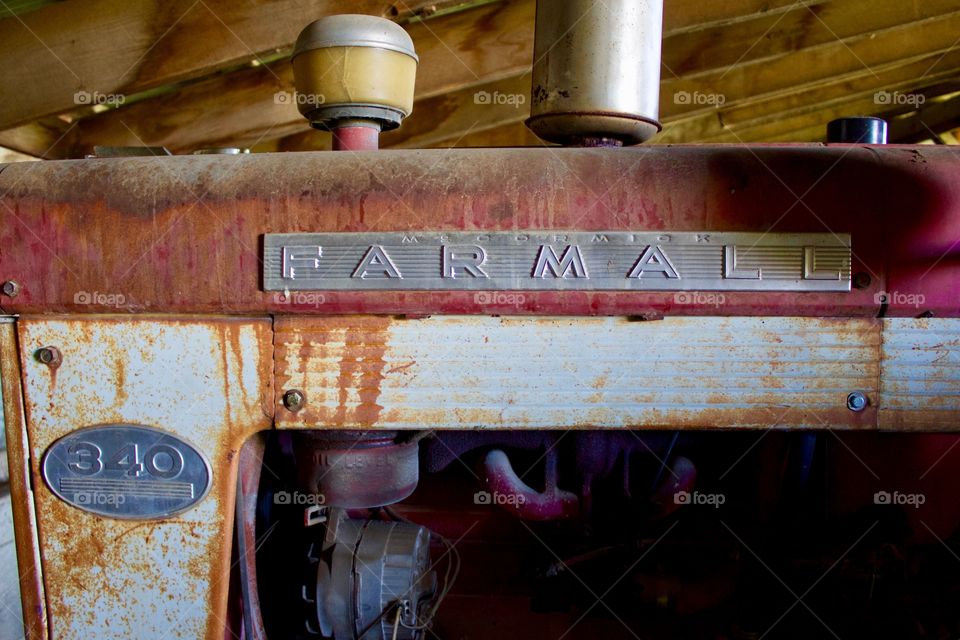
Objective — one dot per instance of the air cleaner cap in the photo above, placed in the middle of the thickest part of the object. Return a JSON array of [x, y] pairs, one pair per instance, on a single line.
[[352, 30], [354, 68]]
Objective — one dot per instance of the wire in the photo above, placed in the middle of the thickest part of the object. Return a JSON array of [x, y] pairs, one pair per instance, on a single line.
[[449, 578], [396, 622], [380, 617]]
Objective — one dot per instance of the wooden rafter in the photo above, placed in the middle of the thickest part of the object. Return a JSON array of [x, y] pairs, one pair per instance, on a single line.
[[124, 47]]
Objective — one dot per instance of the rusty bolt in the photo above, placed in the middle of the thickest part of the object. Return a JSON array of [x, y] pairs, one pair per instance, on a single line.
[[11, 288], [49, 356], [294, 400], [857, 401]]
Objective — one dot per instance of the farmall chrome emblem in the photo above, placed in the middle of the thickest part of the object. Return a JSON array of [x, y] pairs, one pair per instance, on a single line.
[[574, 261], [126, 471]]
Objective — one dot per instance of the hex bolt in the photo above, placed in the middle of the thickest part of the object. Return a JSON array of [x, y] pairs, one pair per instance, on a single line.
[[11, 288], [49, 356], [857, 401], [294, 400]]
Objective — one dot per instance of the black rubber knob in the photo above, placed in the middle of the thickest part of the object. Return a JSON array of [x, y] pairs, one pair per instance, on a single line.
[[861, 130]]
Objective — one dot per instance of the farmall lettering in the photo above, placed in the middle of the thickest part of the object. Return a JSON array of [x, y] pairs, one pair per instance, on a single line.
[[545, 261]]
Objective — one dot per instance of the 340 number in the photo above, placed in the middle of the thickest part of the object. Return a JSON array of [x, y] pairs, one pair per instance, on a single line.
[[160, 460]]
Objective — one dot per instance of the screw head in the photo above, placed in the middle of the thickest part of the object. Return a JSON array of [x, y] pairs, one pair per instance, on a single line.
[[857, 401], [11, 288], [294, 399], [49, 356]]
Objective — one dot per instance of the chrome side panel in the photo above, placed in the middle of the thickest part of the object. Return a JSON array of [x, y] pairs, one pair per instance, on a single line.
[[206, 381]]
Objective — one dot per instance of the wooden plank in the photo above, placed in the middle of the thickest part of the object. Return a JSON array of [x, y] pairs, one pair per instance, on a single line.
[[124, 47], [7, 156], [464, 49], [843, 17], [799, 70], [682, 16], [40, 140], [242, 109], [515, 134], [442, 120], [823, 74], [811, 126], [798, 124], [798, 26], [765, 115], [20, 7], [489, 42], [464, 112], [198, 117], [932, 117], [127, 46]]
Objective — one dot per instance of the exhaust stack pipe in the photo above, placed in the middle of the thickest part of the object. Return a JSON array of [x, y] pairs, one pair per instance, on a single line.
[[596, 71]]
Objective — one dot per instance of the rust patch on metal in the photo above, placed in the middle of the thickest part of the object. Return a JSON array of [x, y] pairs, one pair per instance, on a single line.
[[306, 350], [469, 372], [919, 375], [206, 380], [204, 256], [24, 516], [361, 367]]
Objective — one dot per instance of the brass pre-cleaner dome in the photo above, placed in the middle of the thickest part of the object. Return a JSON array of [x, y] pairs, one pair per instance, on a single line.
[[354, 68]]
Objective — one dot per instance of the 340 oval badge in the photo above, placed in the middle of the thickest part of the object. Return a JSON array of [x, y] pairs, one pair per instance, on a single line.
[[126, 471]]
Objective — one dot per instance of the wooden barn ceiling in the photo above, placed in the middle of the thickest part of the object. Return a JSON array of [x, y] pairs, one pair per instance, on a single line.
[[191, 74]]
